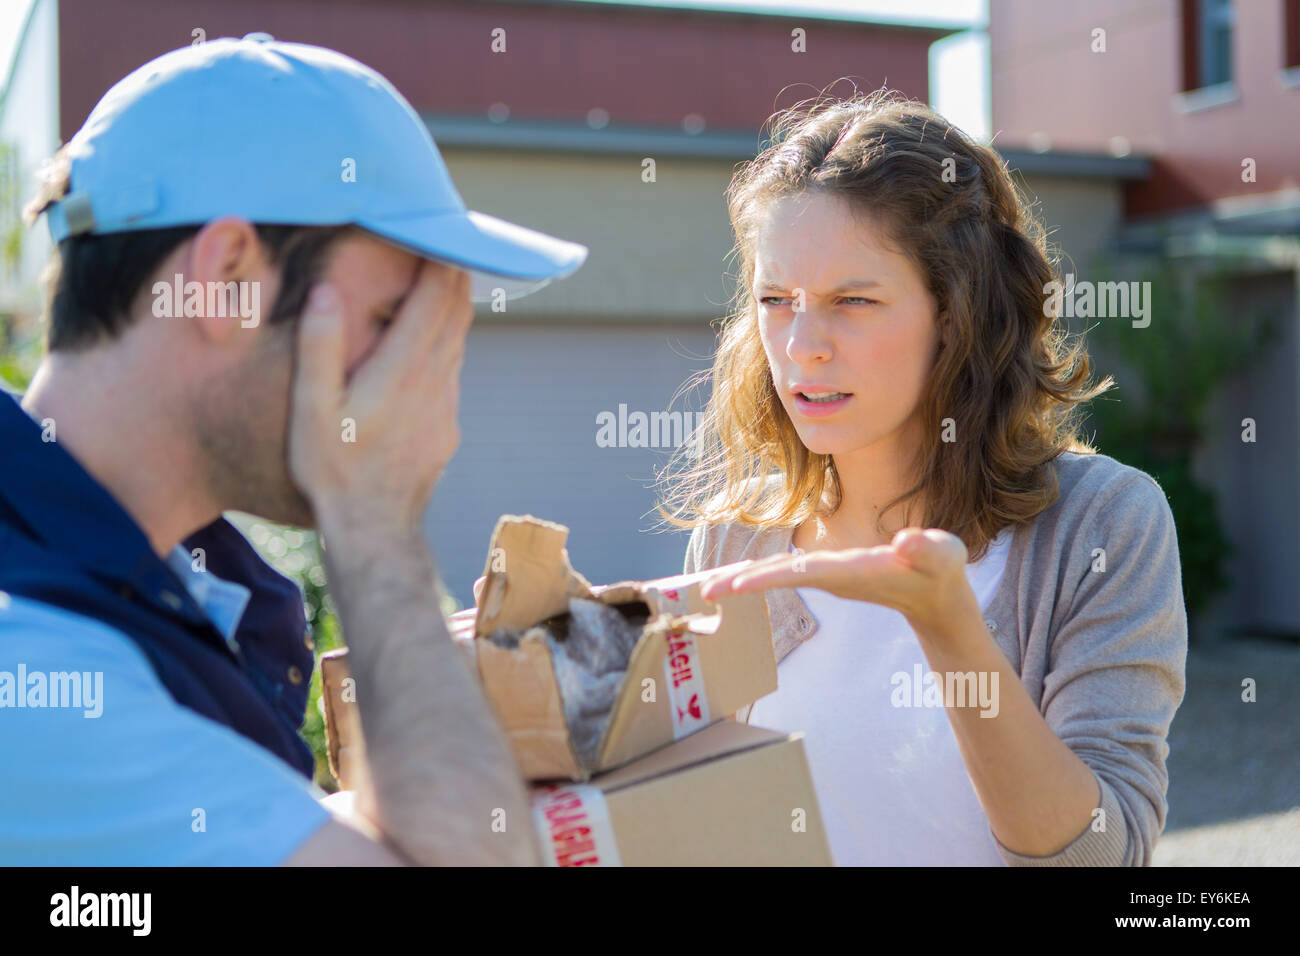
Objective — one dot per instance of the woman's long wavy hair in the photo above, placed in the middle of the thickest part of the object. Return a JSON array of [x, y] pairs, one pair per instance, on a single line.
[[1008, 373]]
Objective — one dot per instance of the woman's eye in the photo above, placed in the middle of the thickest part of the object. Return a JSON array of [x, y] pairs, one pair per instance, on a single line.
[[860, 300], [774, 300]]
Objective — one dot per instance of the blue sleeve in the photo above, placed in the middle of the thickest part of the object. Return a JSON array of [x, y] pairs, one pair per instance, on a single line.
[[129, 777]]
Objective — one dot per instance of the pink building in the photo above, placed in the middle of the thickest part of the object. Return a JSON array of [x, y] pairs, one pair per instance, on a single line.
[[1209, 92]]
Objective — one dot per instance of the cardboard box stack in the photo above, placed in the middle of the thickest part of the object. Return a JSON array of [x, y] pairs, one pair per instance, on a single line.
[[667, 781]]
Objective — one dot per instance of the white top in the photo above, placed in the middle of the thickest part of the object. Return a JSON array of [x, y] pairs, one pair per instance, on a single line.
[[890, 779]]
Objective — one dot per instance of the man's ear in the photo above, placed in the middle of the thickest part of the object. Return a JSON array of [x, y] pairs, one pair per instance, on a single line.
[[226, 261]]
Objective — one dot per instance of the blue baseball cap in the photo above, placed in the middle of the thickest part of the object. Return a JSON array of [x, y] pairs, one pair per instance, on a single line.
[[286, 133]]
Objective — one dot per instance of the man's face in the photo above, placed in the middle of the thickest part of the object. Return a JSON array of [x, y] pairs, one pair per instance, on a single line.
[[244, 416]]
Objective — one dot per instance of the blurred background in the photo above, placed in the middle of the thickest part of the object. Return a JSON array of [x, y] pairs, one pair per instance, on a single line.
[[1158, 139]]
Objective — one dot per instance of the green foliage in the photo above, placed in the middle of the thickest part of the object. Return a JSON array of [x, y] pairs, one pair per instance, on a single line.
[[21, 348], [11, 223], [1193, 344], [296, 554]]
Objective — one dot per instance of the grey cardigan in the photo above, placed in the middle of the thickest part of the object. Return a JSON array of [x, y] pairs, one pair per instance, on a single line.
[[1103, 653]]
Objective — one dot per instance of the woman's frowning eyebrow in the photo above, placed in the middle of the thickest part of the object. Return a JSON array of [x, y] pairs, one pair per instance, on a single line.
[[842, 287]]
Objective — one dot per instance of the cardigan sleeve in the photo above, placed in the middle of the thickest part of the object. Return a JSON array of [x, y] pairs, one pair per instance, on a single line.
[[1117, 670], [702, 548]]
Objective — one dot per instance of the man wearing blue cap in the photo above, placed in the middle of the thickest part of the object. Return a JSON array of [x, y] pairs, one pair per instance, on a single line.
[[153, 669]]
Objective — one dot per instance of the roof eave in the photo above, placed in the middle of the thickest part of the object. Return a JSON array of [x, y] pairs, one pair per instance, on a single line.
[[1077, 164]]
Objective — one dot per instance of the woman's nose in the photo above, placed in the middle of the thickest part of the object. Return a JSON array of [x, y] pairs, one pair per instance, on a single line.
[[808, 341]]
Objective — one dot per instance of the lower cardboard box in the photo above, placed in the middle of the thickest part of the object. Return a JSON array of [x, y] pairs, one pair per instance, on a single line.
[[728, 795]]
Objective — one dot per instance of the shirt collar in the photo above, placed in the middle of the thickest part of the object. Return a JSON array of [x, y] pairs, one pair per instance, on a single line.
[[223, 601]]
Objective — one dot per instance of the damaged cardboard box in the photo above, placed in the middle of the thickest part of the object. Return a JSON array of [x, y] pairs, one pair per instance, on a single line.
[[584, 678]]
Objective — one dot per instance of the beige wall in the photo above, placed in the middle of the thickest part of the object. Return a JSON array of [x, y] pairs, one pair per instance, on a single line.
[[657, 249], [1080, 215]]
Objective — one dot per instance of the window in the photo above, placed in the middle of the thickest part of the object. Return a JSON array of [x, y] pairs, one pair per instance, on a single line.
[[1207, 43], [1291, 30]]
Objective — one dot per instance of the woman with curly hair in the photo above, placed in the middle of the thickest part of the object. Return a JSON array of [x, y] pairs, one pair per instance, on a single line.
[[978, 618]]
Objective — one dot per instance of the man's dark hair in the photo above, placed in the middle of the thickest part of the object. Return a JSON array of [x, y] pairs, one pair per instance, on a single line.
[[93, 280]]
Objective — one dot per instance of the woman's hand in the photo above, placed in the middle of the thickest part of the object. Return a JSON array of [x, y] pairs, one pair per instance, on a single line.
[[920, 573]]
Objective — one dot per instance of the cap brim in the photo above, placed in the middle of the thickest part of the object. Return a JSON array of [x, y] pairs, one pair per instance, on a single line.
[[498, 255]]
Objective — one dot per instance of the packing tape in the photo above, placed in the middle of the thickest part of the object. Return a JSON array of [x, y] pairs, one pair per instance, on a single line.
[[573, 824], [685, 682], [682, 675], [672, 601]]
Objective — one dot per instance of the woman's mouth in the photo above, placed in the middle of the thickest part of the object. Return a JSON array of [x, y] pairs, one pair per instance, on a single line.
[[818, 403]]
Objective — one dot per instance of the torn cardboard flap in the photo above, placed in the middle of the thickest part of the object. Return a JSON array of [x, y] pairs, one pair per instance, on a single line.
[[702, 677], [521, 685], [529, 578]]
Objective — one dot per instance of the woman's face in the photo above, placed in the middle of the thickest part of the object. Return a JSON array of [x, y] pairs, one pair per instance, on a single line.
[[847, 323]]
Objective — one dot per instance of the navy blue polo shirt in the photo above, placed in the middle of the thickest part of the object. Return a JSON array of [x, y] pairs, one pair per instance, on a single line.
[[149, 707]]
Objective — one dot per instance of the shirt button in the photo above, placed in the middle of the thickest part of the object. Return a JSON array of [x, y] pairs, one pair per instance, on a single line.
[[307, 641], [171, 600], [295, 675]]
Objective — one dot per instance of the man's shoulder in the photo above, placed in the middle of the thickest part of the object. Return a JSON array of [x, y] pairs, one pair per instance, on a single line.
[[46, 650], [34, 630], [107, 769]]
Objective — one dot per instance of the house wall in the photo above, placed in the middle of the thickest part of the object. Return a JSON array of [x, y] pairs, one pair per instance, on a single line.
[[1047, 81], [29, 123]]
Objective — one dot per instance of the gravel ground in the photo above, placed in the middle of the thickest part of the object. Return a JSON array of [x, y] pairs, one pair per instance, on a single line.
[[1234, 767]]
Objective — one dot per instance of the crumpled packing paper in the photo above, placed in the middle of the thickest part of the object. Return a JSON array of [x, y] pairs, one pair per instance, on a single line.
[[590, 648]]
